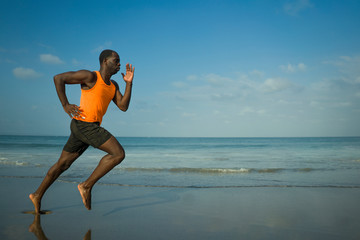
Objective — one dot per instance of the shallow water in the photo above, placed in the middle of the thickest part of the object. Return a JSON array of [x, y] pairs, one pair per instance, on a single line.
[[198, 162]]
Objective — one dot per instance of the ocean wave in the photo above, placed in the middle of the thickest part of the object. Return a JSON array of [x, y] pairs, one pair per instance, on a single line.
[[183, 170], [227, 186], [209, 170], [30, 145], [65, 180], [218, 170], [198, 186], [5, 161]]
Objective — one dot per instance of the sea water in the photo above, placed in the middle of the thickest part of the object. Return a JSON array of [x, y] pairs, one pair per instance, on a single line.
[[197, 162]]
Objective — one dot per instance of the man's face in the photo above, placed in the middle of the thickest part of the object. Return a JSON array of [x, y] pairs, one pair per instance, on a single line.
[[113, 63]]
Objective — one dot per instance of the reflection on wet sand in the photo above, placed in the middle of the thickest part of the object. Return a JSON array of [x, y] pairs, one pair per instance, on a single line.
[[88, 235], [37, 230]]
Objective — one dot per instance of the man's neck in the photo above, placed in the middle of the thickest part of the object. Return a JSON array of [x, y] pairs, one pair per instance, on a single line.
[[105, 75]]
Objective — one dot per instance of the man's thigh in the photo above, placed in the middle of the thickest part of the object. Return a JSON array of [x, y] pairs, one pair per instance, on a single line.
[[112, 146]]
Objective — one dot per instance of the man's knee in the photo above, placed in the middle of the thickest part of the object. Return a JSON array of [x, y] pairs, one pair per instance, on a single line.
[[65, 160], [114, 148], [119, 156], [65, 165]]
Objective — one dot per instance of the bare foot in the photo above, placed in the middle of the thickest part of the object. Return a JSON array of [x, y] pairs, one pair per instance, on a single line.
[[36, 201], [85, 195]]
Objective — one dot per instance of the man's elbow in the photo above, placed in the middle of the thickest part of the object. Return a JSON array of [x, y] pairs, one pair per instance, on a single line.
[[57, 78], [123, 108]]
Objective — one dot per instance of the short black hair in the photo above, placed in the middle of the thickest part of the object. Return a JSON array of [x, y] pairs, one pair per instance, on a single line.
[[105, 54]]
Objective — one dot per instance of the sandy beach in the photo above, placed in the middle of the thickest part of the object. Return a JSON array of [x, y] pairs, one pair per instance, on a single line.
[[180, 213]]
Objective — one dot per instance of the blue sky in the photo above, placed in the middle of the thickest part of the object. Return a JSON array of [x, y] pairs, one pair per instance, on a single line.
[[286, 68]]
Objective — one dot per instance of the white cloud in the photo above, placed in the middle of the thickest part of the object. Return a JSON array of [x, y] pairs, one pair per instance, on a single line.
[[250, 110], [343, 104], [261, 111], [102, 47], [301, 66], [45, 46], [223, 96], [346, 58], [262, 102], [214, 87], [179, 84], [293, 8], [293, 68], [288, 68], [275, 85], [51, 59], [246, 110], [75, 62], [5, 60], [314, 104], [25, 73], [192, 78], [189, 115], [349, 67], [217, 79], [257, 73]]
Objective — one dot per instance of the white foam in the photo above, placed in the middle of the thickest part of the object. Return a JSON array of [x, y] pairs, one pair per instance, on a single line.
[[5, 161]]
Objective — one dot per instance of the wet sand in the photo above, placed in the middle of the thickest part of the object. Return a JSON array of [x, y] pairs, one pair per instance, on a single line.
[[180, 213]]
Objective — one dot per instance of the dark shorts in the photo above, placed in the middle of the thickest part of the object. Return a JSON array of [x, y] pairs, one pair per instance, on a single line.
[[84, 134]]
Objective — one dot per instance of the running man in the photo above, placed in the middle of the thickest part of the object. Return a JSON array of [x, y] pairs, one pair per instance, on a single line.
[[97, 91]]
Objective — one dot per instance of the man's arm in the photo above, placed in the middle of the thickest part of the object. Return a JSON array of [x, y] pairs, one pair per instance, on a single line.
[[123, 101], [83, 77]]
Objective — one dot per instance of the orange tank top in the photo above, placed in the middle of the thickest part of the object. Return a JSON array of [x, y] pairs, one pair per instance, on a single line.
[[95, 101]]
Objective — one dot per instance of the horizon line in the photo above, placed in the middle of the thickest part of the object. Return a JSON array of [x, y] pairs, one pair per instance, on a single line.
[[31, 135]]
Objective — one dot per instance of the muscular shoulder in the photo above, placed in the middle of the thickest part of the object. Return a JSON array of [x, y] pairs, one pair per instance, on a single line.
[[81, 76], [86, 76]]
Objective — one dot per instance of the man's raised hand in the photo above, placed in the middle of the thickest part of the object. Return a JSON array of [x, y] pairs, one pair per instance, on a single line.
[[129, 76]]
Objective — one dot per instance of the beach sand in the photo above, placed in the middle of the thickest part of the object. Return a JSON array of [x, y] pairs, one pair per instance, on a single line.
[[180, 213]]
